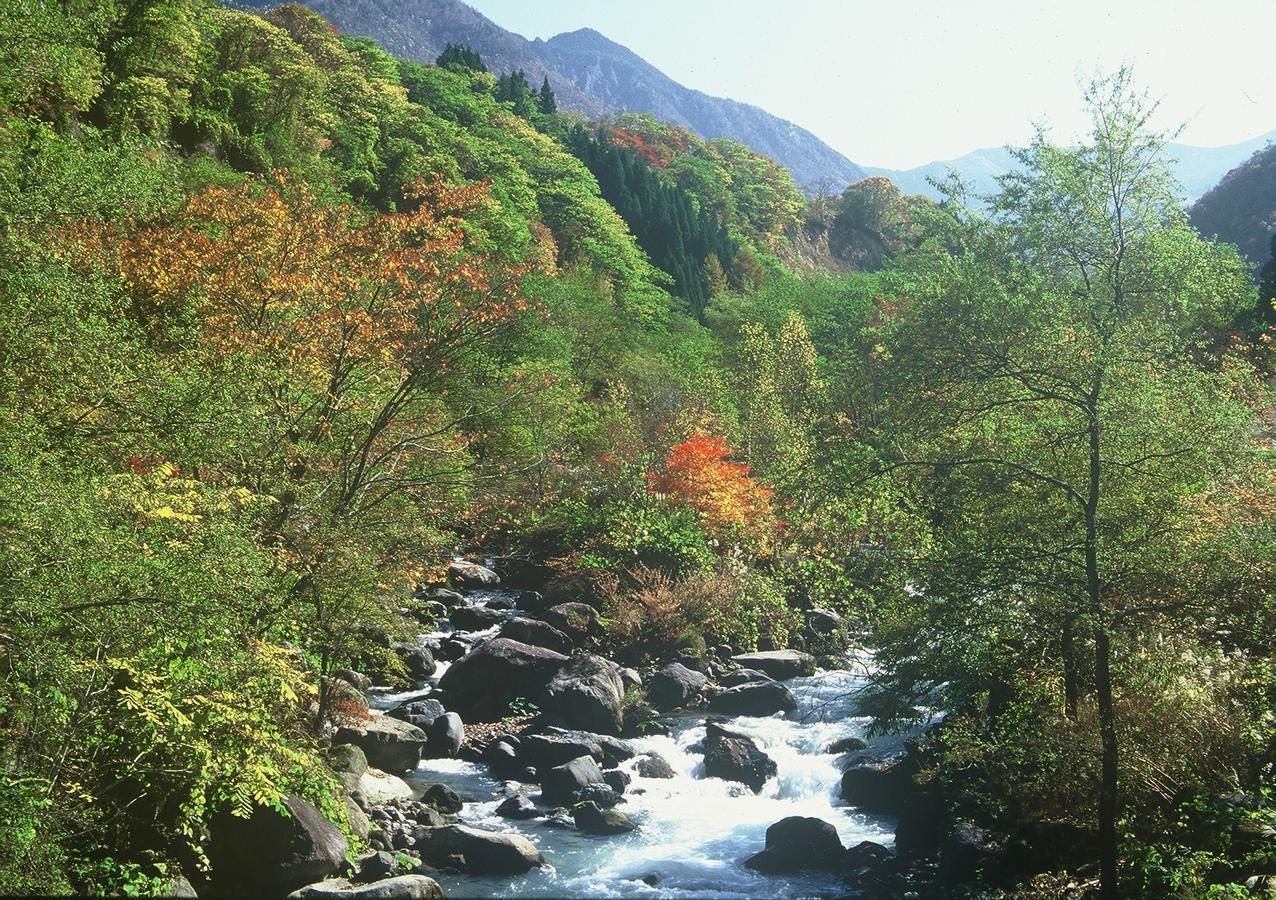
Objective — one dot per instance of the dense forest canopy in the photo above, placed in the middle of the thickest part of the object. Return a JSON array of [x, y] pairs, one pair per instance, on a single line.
[[289, 322]]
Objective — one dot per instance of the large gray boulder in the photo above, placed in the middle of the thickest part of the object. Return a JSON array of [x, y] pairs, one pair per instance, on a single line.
[[799, 844], [586, 693], [402, 887], [470, 574], [653, 765], [389, 744], [560, 784], [478, 852], [732, 756], [445, 737], [481, 684], [594, 819], [475, 618], [754, 698], [673, 686], [545, 751], [779, 664], [268, 854], [537, 633], [579, 620]]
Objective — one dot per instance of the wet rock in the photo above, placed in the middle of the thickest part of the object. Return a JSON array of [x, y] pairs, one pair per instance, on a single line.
[[269, 853], [615, 751], [617, 780], [653, 765], [519, 807], [537, 633], [501, 758], [579, 620], [865, 853], [377, 866], [420, 713], [445, 737], [846, 745], [744, 676], [779, 664], [601, 794], [756, 698], [453, 649], [586, 693], [443, 595], [481, 684], [732, 756], [651, 879], [502, 602], [559, 817], [479, 852], [470, 574], [560, 784], [823, 621], [878, 788], [442, 798], [799, 844], [357, 680], [389, 744], [544, 751], [475, 618], [347, 759], [402, 887], [674, 686], [417, 660], [592, 819]]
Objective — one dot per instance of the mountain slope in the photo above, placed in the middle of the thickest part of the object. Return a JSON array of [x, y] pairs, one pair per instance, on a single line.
[[588, 72], [1241, 209], [623, 81], [1197, 168]]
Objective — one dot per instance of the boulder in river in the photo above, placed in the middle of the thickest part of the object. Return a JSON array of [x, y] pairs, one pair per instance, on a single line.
[[653, 765], [442, 798], [615, 751], [420, 713], [482, 683], [823, 621], [744, 676], [453, 649], [847, 745], [401, 887], [357, 680], [560, 784], [471, 574], [673, 686], [272, 854], [799, 844], [417, 660], [593, 819], [475, 618], [537, 633], [478, 852], [617, 779], [579, 620], [779, 664], [878, 788], [518, 807], [754, 698], [586, 693], [445, 737], [735, 757], [544, 751], [388, 743]]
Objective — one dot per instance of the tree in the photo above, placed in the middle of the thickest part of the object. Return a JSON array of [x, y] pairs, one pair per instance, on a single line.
[[547, 103], [460, 58], [1267, 289], [1048, 389], [698, 474]]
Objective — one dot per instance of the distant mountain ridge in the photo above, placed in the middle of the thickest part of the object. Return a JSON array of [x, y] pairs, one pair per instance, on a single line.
[[1241, 209], [1198, 169], [588, 72]]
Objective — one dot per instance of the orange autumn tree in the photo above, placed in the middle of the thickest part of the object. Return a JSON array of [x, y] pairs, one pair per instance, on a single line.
[[347, 350], [698, 474]]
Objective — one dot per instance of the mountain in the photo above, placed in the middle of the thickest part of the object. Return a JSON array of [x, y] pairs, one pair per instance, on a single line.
[[589, 73], [1241, 209], [1197, 168]]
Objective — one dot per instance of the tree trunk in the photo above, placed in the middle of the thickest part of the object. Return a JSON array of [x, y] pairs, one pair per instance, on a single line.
[[1067, 648]]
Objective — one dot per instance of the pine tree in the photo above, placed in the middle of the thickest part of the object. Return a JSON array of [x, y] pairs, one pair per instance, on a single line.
[[458, 57], [547, 103]]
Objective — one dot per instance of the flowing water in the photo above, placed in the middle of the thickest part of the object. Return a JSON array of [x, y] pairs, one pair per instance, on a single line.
[[694, 833]]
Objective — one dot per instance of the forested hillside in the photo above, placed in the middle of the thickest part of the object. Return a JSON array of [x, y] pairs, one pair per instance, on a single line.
[[1241, 209], [396, 470]]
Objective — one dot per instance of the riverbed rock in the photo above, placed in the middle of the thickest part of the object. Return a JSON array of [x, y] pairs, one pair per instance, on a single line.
[[799, 844], [586, 693], [475, 618], [482, 683], [444, 738], [877, 787], [779, 664], [442, 798], [502, 758], [579, 620], [357, 680], [755, 698], [823, 621], [347, 759], [673, 686], [272, 854], [519, 807], [401, 887], [847, 745], [732, 756], [446, 596], [866, 853], [376, 786], [653, 765], [417, 660], [617, 779], [536, 632], [388, 743], [560, 784], [479, 852], [471, 574], [744, 676], [544, 751], [593, 819], [602, 794], [420, 713], [453, 649]]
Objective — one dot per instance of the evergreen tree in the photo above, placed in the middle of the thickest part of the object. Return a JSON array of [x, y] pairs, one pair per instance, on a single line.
[[459, 57], [547, 103]]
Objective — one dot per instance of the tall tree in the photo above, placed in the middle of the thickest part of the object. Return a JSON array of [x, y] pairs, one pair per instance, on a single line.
[[1052, 395], [547, 103]]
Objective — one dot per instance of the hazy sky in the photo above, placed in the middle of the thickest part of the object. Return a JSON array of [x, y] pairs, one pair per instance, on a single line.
[[904, 82]]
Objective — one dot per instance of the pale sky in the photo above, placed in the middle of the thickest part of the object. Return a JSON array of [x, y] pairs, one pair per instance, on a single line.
[[905, 82]]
